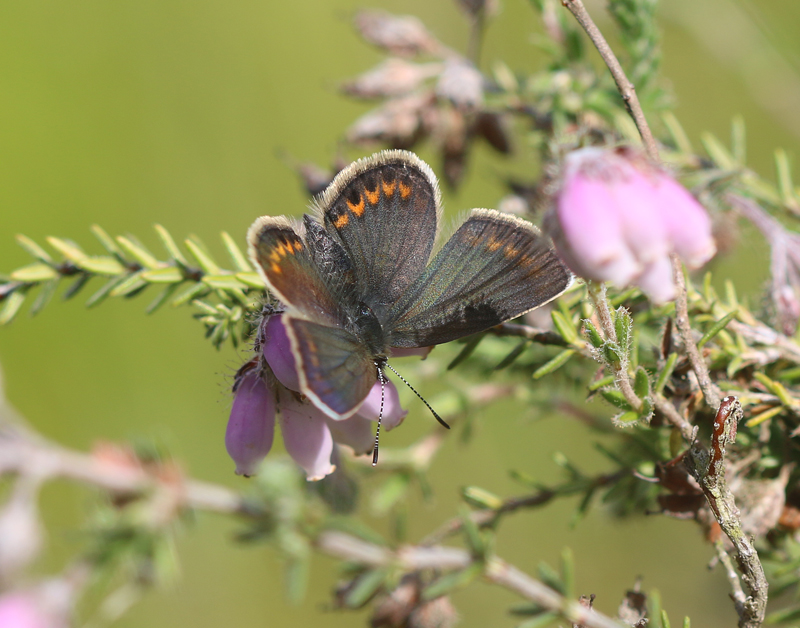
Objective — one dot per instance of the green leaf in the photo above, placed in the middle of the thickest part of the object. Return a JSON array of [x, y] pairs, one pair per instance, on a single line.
[[557, 362], [98, 297], [452, 582], [613, 354], [718, 153], [193, 292], [592, 334], [389, 493], [76, 286], [129, 285], [481, 498], [101, 266], [717, 327], [568, 572], [512, 356], [564, 327], [623, 325], [296, 577], [68, 249], [784, 171], [138, 252], [664, 619], [46, 293], [162, 298], [550, 577], [223, 282], [641, 383], [107, 241], [470, 344], [34, 273], [679, 136], [666, 373], [11, 305], [170, 246], [366, 586], [784, 615], [34, 249], [238, 258], [616, 398], [601, 383], [169, 274], [251, 279], [203, 259]]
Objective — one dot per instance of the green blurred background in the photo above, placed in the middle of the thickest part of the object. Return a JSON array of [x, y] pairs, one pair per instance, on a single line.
[[130, 113]]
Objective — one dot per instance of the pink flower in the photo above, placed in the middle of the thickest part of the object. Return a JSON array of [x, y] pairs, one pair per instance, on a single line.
[[269, 384], [618, 218], [251, 426]]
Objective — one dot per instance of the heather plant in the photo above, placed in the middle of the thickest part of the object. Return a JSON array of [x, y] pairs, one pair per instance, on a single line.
[[699, 393]]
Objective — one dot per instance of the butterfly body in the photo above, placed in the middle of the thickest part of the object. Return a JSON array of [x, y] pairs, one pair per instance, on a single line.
[[363, 278]]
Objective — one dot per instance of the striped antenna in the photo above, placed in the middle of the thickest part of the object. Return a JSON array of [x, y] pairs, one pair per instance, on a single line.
[[427, 405]]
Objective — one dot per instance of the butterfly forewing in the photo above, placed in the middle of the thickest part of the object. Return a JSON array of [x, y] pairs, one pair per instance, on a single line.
[[336, 371], [384, 211], [289, 268], [494, 268]]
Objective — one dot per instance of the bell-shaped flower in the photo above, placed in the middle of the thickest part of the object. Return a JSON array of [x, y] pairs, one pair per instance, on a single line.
[[251, 426], [308, 433], [618, 218]]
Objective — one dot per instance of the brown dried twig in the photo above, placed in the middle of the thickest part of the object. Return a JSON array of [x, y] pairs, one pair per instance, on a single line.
[[708, 468]]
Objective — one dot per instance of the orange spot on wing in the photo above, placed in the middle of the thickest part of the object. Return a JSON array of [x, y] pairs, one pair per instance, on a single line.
[[275, 269], [373, 196], [511, 252], [405, 190], [342, 220], [494, 244], [389, 187], [357, 209]]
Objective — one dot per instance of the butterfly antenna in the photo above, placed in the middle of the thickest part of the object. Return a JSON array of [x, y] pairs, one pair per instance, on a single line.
[[381, 377], [427, 405]]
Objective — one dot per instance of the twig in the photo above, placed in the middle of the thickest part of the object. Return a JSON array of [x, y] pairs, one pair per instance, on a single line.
[[625, 87], [710, 390], [708, 468], [28, 454], [488, 516], [414, 558]]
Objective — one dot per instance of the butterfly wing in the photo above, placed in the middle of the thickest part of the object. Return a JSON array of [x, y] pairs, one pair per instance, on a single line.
[[313, 278], [494, 268], [384, 211], [336, 371], [289, 268]]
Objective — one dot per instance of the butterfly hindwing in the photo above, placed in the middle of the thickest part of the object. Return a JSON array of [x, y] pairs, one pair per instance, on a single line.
[[494, 268], [290, 269], [384, 210], [336, 370]]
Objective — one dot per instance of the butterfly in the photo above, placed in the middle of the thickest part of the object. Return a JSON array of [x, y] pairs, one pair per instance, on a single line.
[[361, 279]]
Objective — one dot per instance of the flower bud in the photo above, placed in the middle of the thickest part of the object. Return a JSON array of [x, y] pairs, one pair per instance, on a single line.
[[618, 218], [251, 426]]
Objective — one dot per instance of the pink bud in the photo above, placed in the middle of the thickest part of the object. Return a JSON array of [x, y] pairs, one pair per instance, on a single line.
[[399, 34], [618, 218], [251, 426], [278, 353], [306, 435]]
